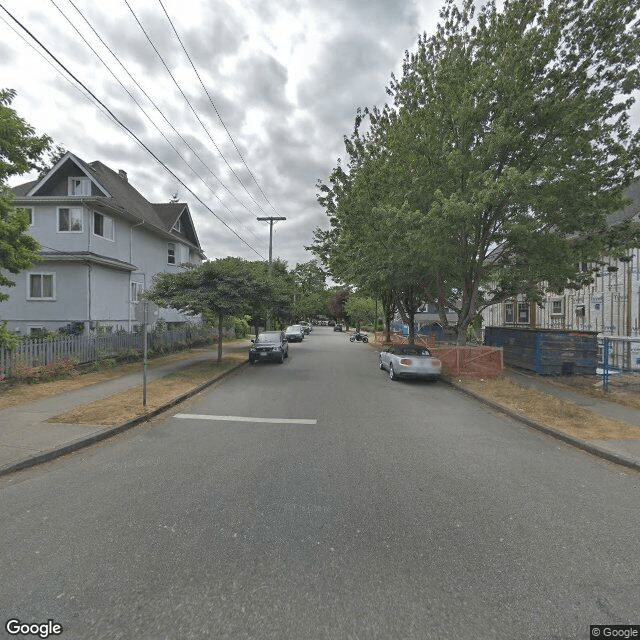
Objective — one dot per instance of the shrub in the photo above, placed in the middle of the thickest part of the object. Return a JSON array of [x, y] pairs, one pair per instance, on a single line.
[[41, 373]]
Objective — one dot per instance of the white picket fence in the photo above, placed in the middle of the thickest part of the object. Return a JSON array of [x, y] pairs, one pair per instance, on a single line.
[[86, 349]]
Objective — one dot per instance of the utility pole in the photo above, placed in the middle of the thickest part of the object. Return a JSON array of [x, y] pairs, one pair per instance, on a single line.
[[270, 220]]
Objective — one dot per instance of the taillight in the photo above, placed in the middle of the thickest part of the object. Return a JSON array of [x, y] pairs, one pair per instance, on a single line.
[[436, 363], [405, 361]]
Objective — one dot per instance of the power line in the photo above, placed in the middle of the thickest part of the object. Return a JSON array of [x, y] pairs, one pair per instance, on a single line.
[[214, 107], [157, 109], [190, 105], [127, 129]]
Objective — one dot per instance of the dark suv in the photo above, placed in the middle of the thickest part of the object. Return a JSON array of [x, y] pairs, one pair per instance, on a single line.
[[270, 345], [337, 327]]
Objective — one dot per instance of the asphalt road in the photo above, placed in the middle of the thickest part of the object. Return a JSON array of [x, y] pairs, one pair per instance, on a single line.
[[356, 508]]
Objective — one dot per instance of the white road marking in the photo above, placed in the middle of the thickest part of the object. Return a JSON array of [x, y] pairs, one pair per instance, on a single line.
[[196, 416]]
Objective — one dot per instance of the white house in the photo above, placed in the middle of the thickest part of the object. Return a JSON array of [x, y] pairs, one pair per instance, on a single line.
[[101, 243]]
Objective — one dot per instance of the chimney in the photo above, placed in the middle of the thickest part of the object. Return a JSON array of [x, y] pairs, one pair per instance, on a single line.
[[123, 175]]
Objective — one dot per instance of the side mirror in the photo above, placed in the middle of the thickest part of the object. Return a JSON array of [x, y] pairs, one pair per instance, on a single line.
[[252, 340]]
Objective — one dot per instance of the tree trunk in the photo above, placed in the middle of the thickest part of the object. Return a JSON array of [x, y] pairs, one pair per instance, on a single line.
[[388, 307], [220, 320], [411, 314]]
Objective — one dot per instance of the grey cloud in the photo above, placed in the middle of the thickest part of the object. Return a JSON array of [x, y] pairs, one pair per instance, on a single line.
[[264, 82], [220, 34], [6, 54]]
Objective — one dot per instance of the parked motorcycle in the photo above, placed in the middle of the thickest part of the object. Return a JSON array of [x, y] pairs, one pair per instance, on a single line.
[[359, 337]]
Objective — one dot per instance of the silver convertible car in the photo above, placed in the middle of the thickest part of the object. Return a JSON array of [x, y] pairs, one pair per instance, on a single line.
[[410, 361]]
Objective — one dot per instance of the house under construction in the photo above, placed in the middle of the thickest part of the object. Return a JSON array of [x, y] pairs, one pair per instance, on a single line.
[[609, 306]]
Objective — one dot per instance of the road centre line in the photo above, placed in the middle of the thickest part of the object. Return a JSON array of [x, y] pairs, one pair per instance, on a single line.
[[196, 416]]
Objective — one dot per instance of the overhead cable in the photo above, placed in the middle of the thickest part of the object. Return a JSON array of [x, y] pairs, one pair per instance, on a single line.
[[238, 222], [127, 129], [191, 106], [235, 146]]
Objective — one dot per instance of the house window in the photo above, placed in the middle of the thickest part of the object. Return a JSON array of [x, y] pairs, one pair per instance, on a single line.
[[103, 226], [41, 286], [171, 253], [79, 187], [523, 312], [136, 290], [508, 312], [70, 219], [28, 211], [35, 331], [556, 307]]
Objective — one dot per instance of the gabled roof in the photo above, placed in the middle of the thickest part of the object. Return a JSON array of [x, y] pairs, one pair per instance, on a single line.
[[116, 192], [67, 158]]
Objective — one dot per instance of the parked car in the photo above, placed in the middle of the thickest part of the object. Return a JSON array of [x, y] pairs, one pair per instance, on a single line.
[[270, 345], [306, 327], [294, 333], [410, 361], [337, 327]]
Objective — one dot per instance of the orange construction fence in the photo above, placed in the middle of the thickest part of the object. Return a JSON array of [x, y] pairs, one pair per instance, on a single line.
[[470, 361]]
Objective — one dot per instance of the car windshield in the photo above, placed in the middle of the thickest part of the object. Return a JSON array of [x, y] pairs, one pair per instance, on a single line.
[[411, 350], [268, 337], [293, 328]]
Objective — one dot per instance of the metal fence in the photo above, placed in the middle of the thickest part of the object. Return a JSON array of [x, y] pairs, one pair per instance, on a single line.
[[87, 349], [619, 363]]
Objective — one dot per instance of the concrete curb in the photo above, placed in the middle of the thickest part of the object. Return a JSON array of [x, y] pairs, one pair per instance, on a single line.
[[112, 431], [559, 435]]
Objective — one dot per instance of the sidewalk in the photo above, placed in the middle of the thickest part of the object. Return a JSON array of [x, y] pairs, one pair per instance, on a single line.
[[26, 438], [624, 452]]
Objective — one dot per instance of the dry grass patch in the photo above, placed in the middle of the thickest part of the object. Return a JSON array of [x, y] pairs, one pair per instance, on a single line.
[[13, 394], [559, 414], [127, 405], [623, 390]]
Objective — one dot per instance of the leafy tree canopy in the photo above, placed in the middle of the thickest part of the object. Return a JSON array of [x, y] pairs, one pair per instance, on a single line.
[[20, 151], [506, 146]]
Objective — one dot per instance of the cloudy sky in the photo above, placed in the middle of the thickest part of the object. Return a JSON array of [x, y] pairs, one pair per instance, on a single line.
[[283, 82]]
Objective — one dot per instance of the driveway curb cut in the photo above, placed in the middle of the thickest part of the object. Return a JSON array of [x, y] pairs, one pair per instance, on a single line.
[[108, 433], [559, 435]]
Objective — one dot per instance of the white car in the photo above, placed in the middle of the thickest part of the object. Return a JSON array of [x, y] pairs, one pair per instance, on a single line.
[[410, 361]]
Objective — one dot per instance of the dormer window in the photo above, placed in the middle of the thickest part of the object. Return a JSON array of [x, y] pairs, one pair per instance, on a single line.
[[79, 186]]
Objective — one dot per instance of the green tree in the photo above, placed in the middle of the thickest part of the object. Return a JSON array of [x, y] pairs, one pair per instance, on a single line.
[[509, 137], [360, 309], [215, 289], [20, 151]]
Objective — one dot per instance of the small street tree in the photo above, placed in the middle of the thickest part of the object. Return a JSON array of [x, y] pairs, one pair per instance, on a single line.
[[216, 289], [20, 151], [360, 309]]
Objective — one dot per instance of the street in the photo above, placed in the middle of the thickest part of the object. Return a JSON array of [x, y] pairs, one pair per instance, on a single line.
[[355, 507]]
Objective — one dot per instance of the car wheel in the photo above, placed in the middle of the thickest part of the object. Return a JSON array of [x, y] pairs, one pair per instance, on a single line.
[[381, 365], [281, 358], [392, 373]]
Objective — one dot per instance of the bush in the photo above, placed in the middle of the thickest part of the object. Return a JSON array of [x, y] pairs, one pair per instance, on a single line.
[[240, 326], [42, 373]]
